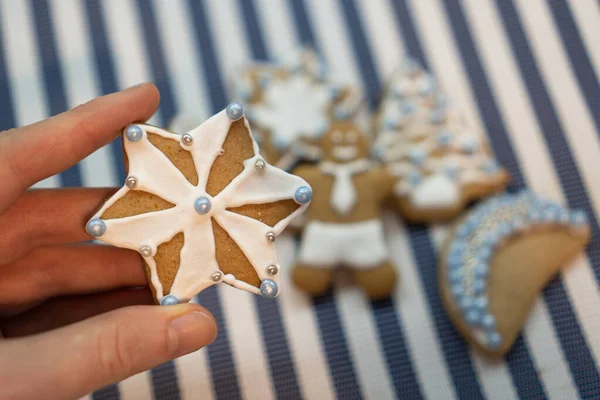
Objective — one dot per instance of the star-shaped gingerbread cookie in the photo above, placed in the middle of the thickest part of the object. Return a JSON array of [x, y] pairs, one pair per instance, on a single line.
[[201, 208]]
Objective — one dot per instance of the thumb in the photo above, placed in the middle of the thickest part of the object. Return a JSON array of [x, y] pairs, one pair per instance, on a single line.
[[85, 356]]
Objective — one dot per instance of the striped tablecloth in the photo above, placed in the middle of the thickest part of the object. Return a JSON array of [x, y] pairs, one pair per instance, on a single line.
[[524, 71]]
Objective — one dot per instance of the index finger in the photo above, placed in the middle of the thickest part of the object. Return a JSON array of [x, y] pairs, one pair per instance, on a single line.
[[34, 152]]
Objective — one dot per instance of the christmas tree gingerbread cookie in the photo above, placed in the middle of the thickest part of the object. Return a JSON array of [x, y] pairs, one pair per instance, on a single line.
[[498, 258], [201, 207], [289, 103], [441, 163], [343, 226]]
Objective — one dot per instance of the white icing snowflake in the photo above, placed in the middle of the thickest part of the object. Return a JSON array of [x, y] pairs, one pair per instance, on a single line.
[[293, 108], [151, 171]]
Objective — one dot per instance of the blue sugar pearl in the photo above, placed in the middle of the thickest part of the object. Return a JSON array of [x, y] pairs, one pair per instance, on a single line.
[[202, 205], [303, 195], [417, 156], [444, 137], [456, 276], [437, 116], [451, 171], [564, 217], [458, 291], [268, 289], [488, 322], [484, 254], [457, 248], [466, 303], [455, 262], [134, 133], [490, 167], [334, 92], [494, 340], [579, 218], [426, 87], [481, 270], [462, 231], [390, 124], [479, 286], [169, 300], [534, 215], [473, 317], [95, 227], [234, 111], [481, 303], [414, 178], [408, 107]]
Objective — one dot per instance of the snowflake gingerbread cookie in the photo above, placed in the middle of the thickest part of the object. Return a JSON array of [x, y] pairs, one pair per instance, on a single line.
[[440, 162], [290, 102], [201, 208]]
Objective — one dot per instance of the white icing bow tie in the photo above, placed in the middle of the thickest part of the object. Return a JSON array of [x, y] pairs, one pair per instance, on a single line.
[[343, 193]]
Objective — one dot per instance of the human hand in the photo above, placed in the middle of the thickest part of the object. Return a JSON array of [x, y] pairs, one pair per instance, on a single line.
[[63, 303]]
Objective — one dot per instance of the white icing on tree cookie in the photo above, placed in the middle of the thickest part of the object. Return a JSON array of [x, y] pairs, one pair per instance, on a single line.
[[151, 171], [423, 141]]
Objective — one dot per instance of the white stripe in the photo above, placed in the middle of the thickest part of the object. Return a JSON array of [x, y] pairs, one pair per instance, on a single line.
[[421, 337], [565, 93], [382, 34], [445, 63], [530, 151], [333, 39], [302, 327], [357, 322], [122, 24], [136, 387], [22, 65], [296, 309], [277, 25], [182, 61], [385, 41], [189, 90], [586, 14], [73, 48], [247, 346]]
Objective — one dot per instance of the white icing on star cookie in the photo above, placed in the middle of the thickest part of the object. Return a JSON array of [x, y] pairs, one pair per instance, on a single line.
[[151, 171]]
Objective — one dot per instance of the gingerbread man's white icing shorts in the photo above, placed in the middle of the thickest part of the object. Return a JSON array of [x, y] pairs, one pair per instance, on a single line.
[[357, 245]]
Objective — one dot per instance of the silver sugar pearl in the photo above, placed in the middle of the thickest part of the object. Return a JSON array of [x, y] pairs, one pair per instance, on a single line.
[[131, 182], [260, 165], [146, 250], [202, 205], [169, 300], [272, 270], [216, 276], [134, 133], [187, 139], [270, 236]]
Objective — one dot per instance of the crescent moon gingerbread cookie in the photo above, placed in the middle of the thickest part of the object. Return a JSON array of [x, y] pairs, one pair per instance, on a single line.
[[201, 208], [441, 164], [289, 103], [498, 258]]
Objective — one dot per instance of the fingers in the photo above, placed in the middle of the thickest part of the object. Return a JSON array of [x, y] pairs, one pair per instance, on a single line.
[[34, 152], [64, 311], [50, 216], [66, 270], [80, 358]]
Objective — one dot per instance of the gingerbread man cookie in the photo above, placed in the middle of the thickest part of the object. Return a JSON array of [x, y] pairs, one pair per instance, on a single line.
[[441, 164], [290, 102], [498, 258], [343, 226], [201, 208]]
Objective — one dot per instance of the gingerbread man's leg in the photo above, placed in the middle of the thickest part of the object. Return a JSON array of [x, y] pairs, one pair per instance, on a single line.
[[378, 282], [314, 281]]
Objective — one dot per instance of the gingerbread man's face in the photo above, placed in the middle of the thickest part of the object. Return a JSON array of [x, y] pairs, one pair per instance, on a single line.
[[344, 142]]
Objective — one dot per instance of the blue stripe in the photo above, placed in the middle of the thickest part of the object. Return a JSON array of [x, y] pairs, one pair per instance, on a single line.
[[388, 325], [254, 33], [53, 79], [391, 336], [105, 71], [520, 363], [580, 60], [7, 111], [154, 49], [341, 366], [211, 65], [409, 32], [110, 392], [302, 24], [224, 376], [581, 362], [164, 377]]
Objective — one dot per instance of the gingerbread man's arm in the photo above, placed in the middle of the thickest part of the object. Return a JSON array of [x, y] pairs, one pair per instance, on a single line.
[[386, 182]]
